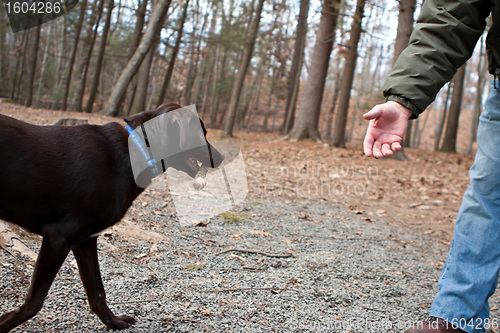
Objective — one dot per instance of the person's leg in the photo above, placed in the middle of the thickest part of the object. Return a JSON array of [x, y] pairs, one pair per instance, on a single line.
[[470, 274]]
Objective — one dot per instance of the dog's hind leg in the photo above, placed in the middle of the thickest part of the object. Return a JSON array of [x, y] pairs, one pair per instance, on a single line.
[[86, 257], [52, 254]]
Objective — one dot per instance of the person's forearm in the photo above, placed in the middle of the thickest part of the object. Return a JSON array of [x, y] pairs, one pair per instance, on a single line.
[[443, 39]]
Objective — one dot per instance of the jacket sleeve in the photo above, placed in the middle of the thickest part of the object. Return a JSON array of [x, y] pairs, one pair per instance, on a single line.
[[444, 38]]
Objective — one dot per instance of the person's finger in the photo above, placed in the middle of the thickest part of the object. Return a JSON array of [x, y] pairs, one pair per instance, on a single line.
[[396, 146], [386, 150], [377, 153], [372, 114], [368, 144]]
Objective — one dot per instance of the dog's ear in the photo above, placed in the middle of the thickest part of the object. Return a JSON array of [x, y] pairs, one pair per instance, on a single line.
[[140, 118], [128, 120]]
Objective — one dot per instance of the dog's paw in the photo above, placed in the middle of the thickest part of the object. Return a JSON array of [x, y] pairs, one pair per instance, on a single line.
[[127, 319], [121, 322]]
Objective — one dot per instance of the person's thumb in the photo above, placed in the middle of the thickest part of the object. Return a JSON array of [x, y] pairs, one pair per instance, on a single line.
[[373, 113]]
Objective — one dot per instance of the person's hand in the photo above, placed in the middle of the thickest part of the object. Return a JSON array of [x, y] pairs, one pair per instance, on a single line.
[[388, 123]]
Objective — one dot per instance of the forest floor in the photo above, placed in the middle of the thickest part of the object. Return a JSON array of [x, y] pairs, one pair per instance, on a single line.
[[327, 240]]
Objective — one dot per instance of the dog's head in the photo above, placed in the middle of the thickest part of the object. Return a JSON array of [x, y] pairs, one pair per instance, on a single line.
[[177, 136]]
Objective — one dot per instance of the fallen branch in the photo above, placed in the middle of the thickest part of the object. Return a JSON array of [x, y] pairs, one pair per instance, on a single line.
[[286, 255], [351, 238], [136, 301], [232, 290], [252, 268], [370, 309]]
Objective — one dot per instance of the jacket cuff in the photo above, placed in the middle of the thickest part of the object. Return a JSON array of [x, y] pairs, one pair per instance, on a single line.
[[406, 103]]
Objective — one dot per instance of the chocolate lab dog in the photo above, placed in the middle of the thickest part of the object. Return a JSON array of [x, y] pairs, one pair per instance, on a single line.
[[67, 184]]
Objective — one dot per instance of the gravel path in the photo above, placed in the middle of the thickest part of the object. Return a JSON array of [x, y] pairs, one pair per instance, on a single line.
[[282, 266]]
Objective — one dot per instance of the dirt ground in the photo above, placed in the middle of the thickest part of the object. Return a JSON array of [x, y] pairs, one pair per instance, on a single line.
[[326, 241]]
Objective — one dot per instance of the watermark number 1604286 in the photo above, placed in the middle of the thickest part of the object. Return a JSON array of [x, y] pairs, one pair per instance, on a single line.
[[26, 14]]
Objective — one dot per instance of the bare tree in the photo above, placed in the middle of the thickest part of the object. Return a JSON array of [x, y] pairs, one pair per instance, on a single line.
[[173, 56], [450, 134], [192, 76], [18, 73], [439, 129], [120, 87], [32, 60], [136, 39], [336, 92], [3, 53], [240, 79], [43, 65], [348, 76], [295, 69], [92, 36], [213, 55], [142, 78], [306, 125], [478, 102], [72, 58], [100, 58], [405, 27]]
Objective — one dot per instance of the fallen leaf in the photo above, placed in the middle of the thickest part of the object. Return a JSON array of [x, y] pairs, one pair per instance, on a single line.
[[197, 223], [261, 233], [236, 236], [234, 256]]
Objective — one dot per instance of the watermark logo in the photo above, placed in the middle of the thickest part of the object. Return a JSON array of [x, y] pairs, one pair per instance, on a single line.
[[316, 180], [26, 14], [204, 179]]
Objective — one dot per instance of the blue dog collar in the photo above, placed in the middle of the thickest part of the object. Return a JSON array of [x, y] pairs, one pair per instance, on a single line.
[[144, 151]]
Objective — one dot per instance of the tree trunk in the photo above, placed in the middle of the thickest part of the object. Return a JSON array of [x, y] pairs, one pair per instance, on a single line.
[[336, 92], [100, 58], [347, 77], [214, 102], [139, 26], [142, 83], [33, 55], [439, 130], [44, 67], [79, 25], [213, 57], [142, 78], [240, 119], [136, 39], [56, 88], [306, 125], [3, 53], [240, 79], [450, 135], [18, 73], [120, 87], [295, 69], [290, 112], [192, 76], [265, 125], [93, 33], [173, 57], [478, 102], [405, 27]]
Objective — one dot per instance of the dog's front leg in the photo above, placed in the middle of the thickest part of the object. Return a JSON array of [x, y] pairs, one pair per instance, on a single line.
[[86, 257], [53, 251]]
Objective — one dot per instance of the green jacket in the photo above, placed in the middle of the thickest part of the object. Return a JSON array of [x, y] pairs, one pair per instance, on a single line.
[[444, 38]]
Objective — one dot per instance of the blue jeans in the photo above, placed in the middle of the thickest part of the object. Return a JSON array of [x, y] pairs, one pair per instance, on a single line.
[[470, 274]]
